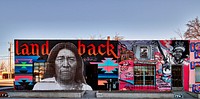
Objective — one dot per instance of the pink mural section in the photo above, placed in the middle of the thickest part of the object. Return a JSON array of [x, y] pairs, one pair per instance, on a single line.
[[163, 66], [151, 71], [126, 78], [126, 75], [194, 62], [159, 65], [161, 84], [186, 77]]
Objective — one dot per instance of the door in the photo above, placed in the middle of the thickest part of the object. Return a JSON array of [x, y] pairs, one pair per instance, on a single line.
[[92, 76], [177, 78]]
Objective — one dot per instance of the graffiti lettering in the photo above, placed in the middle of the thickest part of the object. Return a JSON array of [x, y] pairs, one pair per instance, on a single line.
[[32, 49], [109, 49], [195, 47]]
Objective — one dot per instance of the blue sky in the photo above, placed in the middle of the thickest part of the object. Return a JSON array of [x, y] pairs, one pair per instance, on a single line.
[[80, 19]]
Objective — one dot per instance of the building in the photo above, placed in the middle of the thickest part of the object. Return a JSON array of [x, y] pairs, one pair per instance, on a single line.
[[194, 68], [161, 65]]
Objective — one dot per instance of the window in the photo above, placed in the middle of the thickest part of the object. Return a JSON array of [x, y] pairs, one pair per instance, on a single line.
[[143, 52], [144, 75], [197, 73]]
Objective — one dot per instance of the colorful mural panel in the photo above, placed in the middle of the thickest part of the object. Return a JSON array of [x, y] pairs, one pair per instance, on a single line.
[[126, 74], [194, 65], [135, 58], [23, 73], [196, 88], [108, 72], [158, 54], [97, 58], [104, 64], [23, 66]]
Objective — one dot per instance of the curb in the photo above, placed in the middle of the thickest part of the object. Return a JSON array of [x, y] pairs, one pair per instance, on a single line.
[[43, 94], [135, 95]]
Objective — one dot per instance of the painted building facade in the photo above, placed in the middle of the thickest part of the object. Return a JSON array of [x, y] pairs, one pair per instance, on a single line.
[[194, 76], [154, 65], [161, 65]]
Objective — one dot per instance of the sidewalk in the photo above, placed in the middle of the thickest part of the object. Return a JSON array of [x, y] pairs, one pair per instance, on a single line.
[[98, 94], [134, 94]]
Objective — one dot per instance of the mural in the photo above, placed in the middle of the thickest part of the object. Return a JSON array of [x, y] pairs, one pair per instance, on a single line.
[[156, 55], [126, 62], [196, 88], [162, 57], [66, 64], [107, 73], [194, 66], [23, 73], [103, 64], [176, 56]]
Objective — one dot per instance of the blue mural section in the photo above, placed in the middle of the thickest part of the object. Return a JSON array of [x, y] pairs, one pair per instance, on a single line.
[[24, 72], [108, 68], [107, 73], [23, 69], [196, 88]]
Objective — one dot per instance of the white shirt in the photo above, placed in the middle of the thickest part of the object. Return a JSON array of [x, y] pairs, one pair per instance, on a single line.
[[52, 84]]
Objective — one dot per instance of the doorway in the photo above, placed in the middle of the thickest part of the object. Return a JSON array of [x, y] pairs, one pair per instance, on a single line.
[[177, 77], [92, 75]]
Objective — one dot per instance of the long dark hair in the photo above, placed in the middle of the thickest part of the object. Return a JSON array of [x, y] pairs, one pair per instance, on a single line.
[[50, 69]]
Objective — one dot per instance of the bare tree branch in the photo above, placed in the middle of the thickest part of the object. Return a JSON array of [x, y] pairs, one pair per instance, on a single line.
[[117, 37], [193, 31], [180, 34]]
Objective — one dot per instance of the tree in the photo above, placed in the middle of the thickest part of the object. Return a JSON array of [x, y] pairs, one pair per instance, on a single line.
[[116, 37], [179, 34], [2, 66], [193, 31]]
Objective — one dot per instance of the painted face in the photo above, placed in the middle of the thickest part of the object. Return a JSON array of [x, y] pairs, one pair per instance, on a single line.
[[178, 54], [65, 65]]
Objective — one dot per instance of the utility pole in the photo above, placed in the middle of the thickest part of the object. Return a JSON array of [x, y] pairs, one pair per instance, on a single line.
[[10, 70]]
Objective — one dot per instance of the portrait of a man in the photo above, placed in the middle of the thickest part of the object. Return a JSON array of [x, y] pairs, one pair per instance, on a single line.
[[178, 52], [64, 71]]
